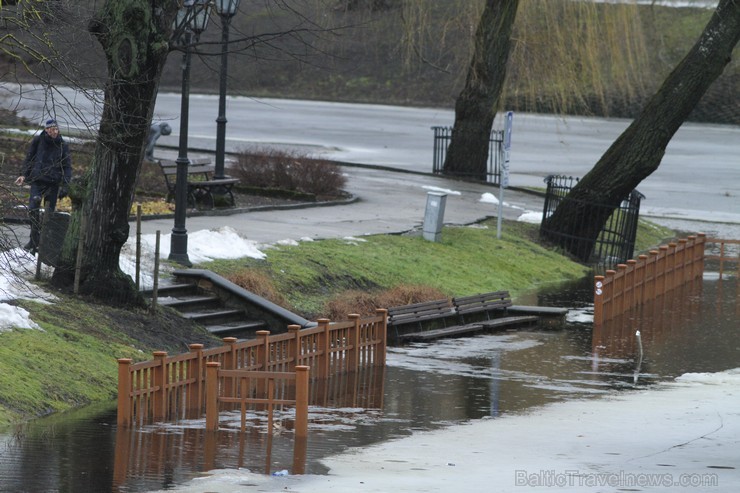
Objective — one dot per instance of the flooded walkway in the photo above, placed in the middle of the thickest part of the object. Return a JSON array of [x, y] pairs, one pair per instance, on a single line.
[[425, 386]]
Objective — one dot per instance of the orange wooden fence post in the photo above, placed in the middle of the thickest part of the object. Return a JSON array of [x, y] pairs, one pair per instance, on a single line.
[[598, 300], [608, 296], [619, 288], [661, 267], [671, 265], [355, 339], [643, 277], [701, 240], [630, 283], [195, 375], [296, 347], [124, 392], [230, 360], [212, 368], [159, 406], [263, 350], [383, 336], [301, 401], [325, 362], [681, 259], [653, 273]]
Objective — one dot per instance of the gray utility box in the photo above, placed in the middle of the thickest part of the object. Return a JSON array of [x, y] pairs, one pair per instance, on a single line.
[[434, 216]]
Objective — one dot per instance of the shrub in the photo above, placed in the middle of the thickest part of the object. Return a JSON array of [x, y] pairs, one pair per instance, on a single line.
[[289, 170]]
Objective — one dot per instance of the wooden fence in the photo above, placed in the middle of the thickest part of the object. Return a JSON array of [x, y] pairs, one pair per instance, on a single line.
[[169, 388], [652, 275]]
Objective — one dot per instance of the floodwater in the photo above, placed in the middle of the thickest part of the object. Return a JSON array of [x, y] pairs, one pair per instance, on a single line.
[[425, 386]]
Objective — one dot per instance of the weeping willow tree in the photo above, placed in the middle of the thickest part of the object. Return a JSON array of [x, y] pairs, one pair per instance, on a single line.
[[565, 54], [638, 151]]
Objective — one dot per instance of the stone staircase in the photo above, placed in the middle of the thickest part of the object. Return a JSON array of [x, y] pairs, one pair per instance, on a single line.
[[209, 310], [223, 308]]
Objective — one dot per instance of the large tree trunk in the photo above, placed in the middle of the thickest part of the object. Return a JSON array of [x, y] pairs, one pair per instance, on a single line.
[[640, 149], [476, 105], [135, 36]]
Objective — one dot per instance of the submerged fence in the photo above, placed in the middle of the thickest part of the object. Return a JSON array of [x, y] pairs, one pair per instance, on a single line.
[[670, 266], [169, 388]]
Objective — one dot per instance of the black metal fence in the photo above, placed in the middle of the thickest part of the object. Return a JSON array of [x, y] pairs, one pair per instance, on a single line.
[[616, 242], [442, 137]]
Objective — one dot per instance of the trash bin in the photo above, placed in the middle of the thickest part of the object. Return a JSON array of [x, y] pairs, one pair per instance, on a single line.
[[434, 216]]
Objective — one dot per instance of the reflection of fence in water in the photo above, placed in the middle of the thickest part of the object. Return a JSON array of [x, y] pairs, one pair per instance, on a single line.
[[658, 319], [173, 451]]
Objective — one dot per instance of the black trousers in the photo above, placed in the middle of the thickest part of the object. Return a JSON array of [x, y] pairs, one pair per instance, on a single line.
[[41, 192]]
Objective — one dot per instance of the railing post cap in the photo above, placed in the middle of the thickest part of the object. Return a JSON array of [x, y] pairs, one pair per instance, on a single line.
[[195, 347], [302, 368], [263, 332], [642, 257], [213, 364], [159, 354], [631, 261], [663, 247], [230, 340], [610, 272], [701, 235], [294, 327], [683, 240], [124, 361], [353, 315], [621, 266], [323, 320], [599, 278]]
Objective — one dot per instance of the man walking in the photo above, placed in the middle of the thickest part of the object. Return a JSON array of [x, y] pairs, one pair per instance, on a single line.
[[48, 168]]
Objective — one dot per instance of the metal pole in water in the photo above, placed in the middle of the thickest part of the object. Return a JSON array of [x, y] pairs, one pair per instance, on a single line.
[[639, 360]]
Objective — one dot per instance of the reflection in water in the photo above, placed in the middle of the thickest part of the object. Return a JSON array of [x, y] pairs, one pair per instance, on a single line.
[[425, 386]]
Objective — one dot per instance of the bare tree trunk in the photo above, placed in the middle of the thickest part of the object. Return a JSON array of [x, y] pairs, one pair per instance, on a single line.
[[637, 153], [476, 105], [135, 37]]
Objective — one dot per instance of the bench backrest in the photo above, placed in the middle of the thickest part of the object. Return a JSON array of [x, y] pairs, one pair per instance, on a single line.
[[172, 170], [497, 300], [418, 312]]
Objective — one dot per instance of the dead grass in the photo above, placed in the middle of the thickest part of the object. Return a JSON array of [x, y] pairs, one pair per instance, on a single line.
[[258, 283], [365, 303]]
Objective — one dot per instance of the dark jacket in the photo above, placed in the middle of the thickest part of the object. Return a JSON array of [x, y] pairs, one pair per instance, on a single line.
[[48, 160]]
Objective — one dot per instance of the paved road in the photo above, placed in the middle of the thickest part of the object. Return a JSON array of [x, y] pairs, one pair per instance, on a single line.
[[698, 179]]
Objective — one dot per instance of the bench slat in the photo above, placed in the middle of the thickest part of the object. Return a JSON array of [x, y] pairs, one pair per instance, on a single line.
[[468, 328]]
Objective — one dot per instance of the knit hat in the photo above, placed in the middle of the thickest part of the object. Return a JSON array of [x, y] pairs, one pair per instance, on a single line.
[[50, 123]]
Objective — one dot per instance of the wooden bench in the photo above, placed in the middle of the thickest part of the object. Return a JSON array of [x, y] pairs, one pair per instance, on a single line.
[[418, 313], [469, 315], [496, 301], [201, 184]]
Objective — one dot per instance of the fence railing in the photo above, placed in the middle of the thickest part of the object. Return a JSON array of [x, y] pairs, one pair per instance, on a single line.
[[616, 240], [649, 276], [170, 388], [723, 252], [442, 138]]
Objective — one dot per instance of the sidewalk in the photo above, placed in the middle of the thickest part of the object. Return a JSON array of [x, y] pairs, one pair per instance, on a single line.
[[387, 202]]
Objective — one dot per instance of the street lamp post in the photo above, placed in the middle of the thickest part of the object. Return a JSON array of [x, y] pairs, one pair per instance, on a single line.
[[191, 21], [226, 9]]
